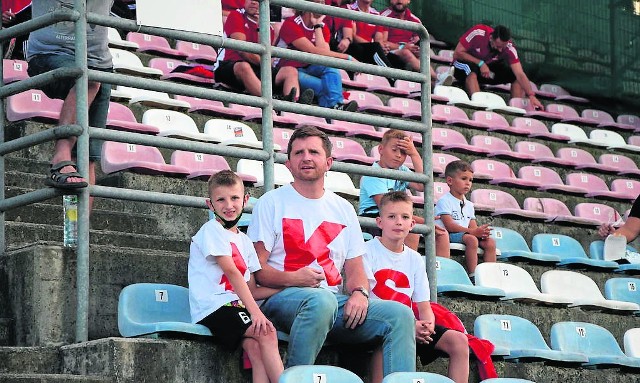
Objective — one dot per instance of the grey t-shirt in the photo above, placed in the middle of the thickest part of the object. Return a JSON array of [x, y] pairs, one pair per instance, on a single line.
[[59, 38]]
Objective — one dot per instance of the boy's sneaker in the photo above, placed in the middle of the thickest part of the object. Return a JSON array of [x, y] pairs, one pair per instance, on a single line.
[[306, 97], [350, 106], [287, 97], [445, 78]]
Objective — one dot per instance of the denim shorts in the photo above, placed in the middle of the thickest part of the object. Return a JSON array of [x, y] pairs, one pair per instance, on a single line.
[[98, 109], [456, 237]]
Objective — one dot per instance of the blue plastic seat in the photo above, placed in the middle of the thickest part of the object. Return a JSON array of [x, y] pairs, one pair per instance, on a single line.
[[513, 247], [521, 339], [596, 342], [415, 377], [623, 289], [318, 373], [507, 380], [596, 251], [570, 251], [453, 281], [148, 309]]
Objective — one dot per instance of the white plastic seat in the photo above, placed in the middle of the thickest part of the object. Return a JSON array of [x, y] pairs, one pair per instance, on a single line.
[[632, 342], [233, 133], [576, 135], [457, 97], [152, 99], [116, 41], [128, 63], [341, 184], [495, 103], [281, 175], [582, 291], [516, 283], [612, 140], [174, 124]]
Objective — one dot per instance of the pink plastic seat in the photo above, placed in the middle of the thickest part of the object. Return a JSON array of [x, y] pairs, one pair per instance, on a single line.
[[549, 180], [454, 141], [502, 204], [441, 160], [14, 70], [117, 156], [203, 54], [629, 119], [379, 84], [531, 111], [605, 120], [33, 105], [499, 173], [561, 94], [452, 115], [281, 137], [541, 93], [410, 108], [168, 65], [122, 118], [624, 165], [369, 132], [347, 150], [569, 115], [369, 102], [497, 123], [412, 88], [155, 45], [254, 114], [583, 160], [596, 187], [375, 154], [634, 140], [537, 129], [597, 212], [439, 190], [202, 166], [349, 83], [498, 148], [557, 212], [444, 56], [210, 107], [541, 154], [319, 122], [628, 188]]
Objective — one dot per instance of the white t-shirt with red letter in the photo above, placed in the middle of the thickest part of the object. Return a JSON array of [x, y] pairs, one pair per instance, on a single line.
[[401, 277], [301, 232], [209, 288]]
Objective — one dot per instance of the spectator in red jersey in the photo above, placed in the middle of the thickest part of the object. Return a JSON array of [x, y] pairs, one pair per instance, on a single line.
[[15, 12], [306, 32], [485, 55], [365, 41], [229, 6], [241, 70], [402, 46]]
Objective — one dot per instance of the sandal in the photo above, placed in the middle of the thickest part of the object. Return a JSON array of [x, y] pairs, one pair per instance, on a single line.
[[59, 180]]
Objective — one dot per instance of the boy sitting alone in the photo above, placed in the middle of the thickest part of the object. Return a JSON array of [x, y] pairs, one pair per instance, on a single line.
[[389, 260], [457, 215], [394, 149], [222, 261]]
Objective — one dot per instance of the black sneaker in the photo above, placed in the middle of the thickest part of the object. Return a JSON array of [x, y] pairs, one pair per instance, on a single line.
[[306, 97], [350, 106], [286, 97]]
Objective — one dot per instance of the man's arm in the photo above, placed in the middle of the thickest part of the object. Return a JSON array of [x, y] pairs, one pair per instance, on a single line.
[[269, 276], [355, 310], [461, 54], [524, 82], [630, 229], [251, 58]]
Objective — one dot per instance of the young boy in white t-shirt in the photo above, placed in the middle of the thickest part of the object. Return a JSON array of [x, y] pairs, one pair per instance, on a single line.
[[222, 288], [457, 215], [389, 260]]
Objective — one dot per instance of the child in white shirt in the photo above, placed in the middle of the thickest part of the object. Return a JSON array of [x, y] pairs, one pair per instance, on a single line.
[[389, 260], [222, 261]]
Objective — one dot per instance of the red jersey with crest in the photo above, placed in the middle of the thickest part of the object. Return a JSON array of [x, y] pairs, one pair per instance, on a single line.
[[365, 30], [238, 22], [476, 42], [300, 232], [401, 277], [401, 35], [209, 287], [292, 29]]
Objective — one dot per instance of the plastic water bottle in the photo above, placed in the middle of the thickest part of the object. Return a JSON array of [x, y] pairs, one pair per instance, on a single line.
[[70, 206]]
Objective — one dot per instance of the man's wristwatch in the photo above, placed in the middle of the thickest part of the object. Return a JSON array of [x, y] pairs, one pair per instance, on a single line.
[[364, 291], [318, 26]]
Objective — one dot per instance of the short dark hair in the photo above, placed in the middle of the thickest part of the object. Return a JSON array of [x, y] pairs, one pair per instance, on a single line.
[[454, 167], [501, 32], [394, 196], [310, 131], [223, 178]]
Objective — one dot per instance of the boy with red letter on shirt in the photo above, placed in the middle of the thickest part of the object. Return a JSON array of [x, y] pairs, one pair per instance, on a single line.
[[389, 260], [222, 261], [241, 70]]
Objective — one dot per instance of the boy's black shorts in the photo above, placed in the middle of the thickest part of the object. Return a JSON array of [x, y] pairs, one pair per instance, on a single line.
[[228, 325]]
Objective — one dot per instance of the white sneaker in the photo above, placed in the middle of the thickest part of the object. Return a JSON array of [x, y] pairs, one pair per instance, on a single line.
[[445, 78]]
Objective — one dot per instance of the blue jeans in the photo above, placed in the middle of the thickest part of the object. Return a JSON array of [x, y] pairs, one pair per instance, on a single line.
[[325, 82], [310, 315]]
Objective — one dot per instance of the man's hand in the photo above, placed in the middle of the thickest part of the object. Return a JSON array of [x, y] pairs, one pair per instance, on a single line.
[[7, 17], [485, 71], [316, 19], [343, 45], [606, 229], [536, 103], [424, 330], [481, 232], [307, 277], [355, 310]]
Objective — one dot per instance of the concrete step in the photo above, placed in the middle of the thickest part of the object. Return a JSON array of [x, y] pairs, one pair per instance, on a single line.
[[32, 360], [43, 293], [6, 329], [51, 378], [20, 234]]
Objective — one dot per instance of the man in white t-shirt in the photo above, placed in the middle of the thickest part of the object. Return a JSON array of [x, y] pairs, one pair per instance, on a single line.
[[306, 238]]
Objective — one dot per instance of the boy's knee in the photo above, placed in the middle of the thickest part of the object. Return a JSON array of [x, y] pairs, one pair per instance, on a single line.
[[470, 240], [251, 346], [489, 244]]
